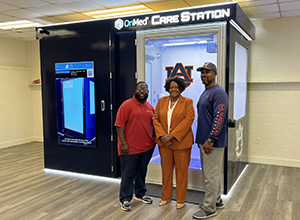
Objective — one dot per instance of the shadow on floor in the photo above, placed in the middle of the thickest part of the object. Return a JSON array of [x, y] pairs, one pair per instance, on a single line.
[[193, 196]]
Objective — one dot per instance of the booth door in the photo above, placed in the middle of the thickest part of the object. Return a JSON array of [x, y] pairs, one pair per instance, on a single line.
[[170, 52], [76, 97]]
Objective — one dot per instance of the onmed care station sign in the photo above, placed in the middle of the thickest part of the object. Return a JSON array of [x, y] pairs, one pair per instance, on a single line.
[[199, 15]]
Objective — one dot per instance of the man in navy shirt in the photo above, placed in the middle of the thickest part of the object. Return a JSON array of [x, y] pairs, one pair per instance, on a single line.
[[211, 138]]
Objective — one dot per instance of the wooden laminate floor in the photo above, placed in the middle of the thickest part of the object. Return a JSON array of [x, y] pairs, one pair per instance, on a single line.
[[28, 192]]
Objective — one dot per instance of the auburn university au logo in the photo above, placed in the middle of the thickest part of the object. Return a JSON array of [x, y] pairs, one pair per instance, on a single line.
[[179, 70]]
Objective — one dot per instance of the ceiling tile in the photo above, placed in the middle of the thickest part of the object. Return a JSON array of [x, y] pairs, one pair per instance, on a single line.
[[80, 6], [266, 16], [25, 3], [289, 6], [145, 1], [287, 0], [60, 1], [203, 2], [6, 7], [111, 3], [50, 10], [42, 21], [165, 5], [242, 4], [260, 2], [290, 13], [50, 19], [22, 14], [265, 9], [5, 18], [73, 17]]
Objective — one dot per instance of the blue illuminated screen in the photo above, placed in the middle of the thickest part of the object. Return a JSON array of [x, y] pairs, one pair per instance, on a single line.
[[73, 102], [75, 99]]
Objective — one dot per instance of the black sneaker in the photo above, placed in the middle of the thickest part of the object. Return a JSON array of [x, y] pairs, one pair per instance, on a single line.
[[144, 199], [125, 206], [202, 214], [220, 205]]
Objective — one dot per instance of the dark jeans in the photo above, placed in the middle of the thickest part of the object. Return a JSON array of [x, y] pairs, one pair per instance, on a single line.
[[133, 174]]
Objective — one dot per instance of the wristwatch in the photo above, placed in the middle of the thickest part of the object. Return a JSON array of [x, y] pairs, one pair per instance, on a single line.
[[122, 143], [209, 140]]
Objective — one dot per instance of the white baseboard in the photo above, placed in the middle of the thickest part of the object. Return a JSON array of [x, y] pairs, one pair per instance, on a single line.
[[274, 161], [16, 142], [39, 139]]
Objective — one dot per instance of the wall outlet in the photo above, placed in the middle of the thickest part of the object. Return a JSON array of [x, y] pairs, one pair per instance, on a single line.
[[258, 141]]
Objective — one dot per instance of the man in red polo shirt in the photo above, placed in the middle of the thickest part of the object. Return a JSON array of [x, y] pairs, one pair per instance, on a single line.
[[135, 145]]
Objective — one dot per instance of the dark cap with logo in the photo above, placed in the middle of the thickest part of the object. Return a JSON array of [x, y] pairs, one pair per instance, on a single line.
[[208, 66]]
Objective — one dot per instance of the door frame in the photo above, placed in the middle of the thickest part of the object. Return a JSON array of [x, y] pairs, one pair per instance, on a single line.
[[195, 177]]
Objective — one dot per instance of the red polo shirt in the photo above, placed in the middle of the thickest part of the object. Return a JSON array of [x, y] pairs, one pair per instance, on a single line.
[[136, 120]]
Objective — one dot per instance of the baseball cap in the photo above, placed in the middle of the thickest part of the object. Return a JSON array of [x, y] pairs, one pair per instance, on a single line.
[[208, 66]]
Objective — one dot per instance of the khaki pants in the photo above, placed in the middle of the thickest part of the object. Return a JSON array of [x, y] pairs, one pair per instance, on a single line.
[[211, 166]]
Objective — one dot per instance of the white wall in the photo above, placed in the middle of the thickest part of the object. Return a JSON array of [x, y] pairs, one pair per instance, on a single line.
[[274, 93], [20, 104], [36, 91]]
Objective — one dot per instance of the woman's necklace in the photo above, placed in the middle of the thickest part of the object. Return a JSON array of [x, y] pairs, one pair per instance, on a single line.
[[173, 103]]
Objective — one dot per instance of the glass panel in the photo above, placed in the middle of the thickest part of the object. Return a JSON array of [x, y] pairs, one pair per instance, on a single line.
[[240, 81], [178, 56]]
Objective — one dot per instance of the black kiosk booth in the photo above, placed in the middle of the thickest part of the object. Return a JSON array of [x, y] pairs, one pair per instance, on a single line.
[[89, 68]]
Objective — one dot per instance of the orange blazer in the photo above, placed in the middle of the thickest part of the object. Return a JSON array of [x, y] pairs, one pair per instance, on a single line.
[[180, 127]]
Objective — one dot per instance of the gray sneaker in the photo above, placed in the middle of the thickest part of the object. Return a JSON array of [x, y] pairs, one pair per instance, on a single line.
[[219, 205], [202, 214]]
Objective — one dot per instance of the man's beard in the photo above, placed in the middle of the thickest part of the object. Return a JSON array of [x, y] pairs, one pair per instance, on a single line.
[[206, 82], [143, 99]]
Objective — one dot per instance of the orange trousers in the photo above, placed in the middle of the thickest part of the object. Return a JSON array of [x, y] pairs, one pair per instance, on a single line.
[[181, 160]]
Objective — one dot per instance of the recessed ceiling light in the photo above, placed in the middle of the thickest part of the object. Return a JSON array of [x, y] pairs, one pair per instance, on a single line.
[[17, 24], [118, 11]]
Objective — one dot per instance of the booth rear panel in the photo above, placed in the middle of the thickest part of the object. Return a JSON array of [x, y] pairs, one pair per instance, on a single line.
[[236, 155]]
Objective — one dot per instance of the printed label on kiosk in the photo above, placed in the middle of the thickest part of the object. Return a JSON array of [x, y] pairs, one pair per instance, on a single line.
[[75, 99]]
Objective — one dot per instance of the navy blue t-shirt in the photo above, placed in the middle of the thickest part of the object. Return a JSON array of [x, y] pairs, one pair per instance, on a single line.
[[212, 110]]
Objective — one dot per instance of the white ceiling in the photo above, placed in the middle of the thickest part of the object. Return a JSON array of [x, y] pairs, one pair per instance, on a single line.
[[58, 11]]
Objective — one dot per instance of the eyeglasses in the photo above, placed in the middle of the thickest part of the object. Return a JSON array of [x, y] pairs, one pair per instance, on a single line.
[[142, 89]]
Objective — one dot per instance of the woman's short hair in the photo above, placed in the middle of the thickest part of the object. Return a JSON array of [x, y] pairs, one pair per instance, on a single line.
[[180, 82]]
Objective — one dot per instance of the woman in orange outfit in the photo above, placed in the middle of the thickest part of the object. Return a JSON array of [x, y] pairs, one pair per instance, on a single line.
[[172, 120]]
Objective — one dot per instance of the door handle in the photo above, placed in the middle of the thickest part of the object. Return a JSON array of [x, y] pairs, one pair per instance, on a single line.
[[231, 123], [102, 105]]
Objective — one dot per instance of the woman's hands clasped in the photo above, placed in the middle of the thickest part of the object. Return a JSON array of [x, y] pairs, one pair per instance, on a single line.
[[166, 139]]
